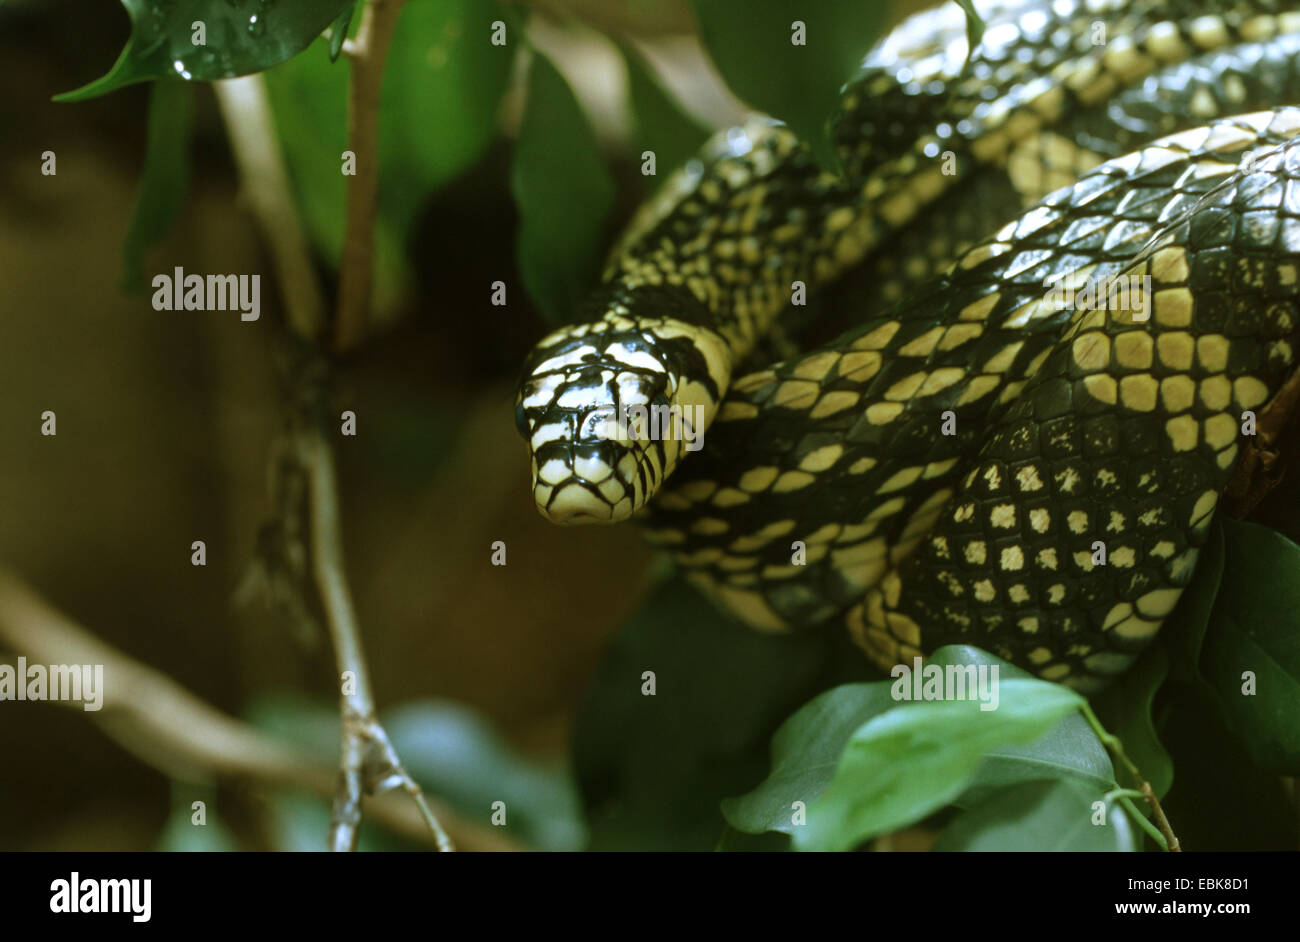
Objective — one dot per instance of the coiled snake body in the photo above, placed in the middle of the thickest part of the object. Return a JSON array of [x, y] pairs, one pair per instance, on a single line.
[[1071, 268]]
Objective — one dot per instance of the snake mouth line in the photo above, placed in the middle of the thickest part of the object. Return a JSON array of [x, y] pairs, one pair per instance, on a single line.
[[609, 495]]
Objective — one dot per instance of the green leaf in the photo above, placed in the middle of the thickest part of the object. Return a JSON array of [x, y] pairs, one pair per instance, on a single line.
[[443, 83], [1183, 632], [1125, 709], [654, 768], [806, 750], [1039, 816], [1069, 750], [309, 98], [974, 24], [337, 33], [242, 36], [805, 753], [564, 195], [1255, 627], [165, 182], [661, 125], [753, 44], [920, 756]]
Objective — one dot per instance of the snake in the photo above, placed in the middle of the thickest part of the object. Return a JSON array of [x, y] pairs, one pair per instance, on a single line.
[[984, 385]]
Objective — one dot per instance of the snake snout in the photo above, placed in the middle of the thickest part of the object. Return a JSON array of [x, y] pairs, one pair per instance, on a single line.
[[589, 472], [589, 414], [608, 410]]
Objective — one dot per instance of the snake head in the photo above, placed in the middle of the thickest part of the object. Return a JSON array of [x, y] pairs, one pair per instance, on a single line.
[[607, 410]]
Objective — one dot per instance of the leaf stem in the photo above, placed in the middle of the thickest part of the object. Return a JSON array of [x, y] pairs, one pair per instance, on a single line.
[[1152, 831], [1116, 748], [367, 51]]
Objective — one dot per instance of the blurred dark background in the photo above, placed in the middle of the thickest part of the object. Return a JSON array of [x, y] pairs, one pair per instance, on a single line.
[[165, 420]]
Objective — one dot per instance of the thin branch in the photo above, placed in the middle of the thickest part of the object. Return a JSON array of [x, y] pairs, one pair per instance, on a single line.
[[367, 755], [166, 726], [1171, 839], [1112, 743], [368, 51], [265, 182]]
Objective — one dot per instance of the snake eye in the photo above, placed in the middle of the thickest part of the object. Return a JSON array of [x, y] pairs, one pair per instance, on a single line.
[[521, 419]]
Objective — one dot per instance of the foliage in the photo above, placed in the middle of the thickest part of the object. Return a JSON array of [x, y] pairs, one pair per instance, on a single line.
[[695, 733]]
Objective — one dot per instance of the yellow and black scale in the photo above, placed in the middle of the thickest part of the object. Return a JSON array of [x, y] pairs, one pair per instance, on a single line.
[[944, 471]]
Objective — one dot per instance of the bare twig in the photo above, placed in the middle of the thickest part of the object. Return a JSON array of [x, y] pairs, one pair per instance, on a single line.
[[368, 50], [174, 731], [367, 755], [247, 113], [1161, 821]]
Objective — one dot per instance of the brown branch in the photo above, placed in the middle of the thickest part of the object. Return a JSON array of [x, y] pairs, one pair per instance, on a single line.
[[368, 50], [1264, 457], [166, 726], [1171, 839], [367, 756]]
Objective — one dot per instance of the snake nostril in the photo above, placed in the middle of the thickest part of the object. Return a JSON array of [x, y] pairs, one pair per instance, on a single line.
[[521, 419]]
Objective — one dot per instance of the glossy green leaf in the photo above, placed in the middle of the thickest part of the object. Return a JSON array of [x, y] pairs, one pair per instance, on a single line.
[[805, 753], [564, 194], [806, 750], [1069, 750], [1054, 815], [919, 756], [661, 125], [755, 44], [1255, 630], [240, 36], [164, 185]]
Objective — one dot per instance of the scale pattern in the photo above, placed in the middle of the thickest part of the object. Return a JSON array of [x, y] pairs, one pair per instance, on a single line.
[[1072, 537], [946, 469]]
